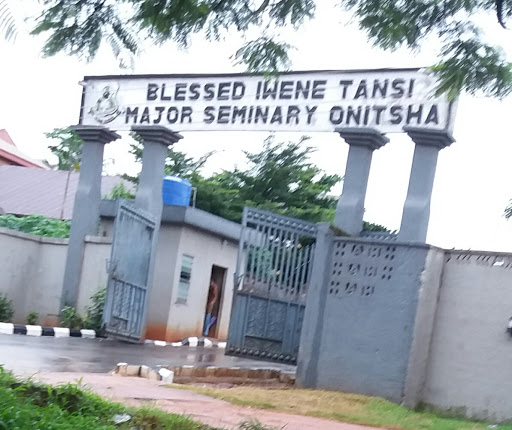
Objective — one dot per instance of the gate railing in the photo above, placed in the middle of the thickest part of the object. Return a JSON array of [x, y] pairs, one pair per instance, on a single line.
[[132, 251], [273, 269]]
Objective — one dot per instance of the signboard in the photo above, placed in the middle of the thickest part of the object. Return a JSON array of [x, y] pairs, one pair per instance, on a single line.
[[386, 100]]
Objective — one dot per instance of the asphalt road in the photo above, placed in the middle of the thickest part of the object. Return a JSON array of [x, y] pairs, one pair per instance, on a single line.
[[25, 355]]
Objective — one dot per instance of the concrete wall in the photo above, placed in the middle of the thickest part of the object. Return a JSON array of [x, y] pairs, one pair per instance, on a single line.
[[94, 269], [470, 368], [33, 269], [368, 317]]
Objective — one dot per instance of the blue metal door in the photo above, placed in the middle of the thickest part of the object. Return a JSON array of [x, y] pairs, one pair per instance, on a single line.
[[124, 315], [273, 270]]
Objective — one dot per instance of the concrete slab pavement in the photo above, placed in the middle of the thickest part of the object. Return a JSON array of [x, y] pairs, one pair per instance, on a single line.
[[214, 412]]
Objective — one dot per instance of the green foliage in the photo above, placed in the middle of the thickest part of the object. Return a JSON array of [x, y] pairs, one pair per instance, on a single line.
[[466, 61], [7, 25], [36, 224], [94, 312], [27, 405], [120, 192], [6, 309], [70, 318], [32, 317], [68, 150], [368, 226], [176, 163], [280, 178]]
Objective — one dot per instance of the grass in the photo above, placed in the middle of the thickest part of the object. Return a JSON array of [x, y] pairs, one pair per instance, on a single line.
[[338, 406], [25, 405]]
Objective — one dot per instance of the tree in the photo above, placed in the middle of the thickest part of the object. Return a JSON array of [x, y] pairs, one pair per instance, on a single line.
[[176, 163], [467, 62], [68, 150], [281, 179]]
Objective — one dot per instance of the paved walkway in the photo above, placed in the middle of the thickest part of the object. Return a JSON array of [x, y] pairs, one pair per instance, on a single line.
[[214, 412]]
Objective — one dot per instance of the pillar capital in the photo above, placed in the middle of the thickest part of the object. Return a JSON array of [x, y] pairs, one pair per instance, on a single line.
[[157, 134], [427, 137], [368, 137], [94, 133]]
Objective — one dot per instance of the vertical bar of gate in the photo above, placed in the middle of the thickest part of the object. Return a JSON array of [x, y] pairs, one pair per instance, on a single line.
[[241, 246], [282, 256], [261, 242], [293, 266], [273, 261], [267, 278], [306, 267], [310, 261]]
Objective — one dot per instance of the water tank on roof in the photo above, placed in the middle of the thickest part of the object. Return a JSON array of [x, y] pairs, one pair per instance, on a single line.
[[176, 191]]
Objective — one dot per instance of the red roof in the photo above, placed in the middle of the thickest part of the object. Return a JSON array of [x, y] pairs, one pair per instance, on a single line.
[[10, 152], [5, 136]]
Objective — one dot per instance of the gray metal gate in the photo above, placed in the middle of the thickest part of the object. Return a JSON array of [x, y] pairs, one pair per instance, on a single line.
[[273, 270], [124, 314]]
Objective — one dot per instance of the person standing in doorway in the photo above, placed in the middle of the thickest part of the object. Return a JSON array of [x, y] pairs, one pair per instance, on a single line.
[[213, 296]]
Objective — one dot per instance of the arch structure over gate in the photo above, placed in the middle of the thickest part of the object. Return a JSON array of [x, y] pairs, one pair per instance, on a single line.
[[271, 282]]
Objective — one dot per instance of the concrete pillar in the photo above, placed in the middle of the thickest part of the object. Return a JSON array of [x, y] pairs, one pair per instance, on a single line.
[[86, 208], [149, 198], [312, 326], [350, 210], [156, 141], [416, 211]]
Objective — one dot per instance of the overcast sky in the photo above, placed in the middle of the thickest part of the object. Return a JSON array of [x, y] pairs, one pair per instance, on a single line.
[[473, 183]]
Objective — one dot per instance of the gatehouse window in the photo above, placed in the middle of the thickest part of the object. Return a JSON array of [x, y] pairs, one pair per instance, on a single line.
[[185, 275]]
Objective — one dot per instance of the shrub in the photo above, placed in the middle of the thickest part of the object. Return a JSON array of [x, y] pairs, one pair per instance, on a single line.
[[32, 317], [69, 318], [94, 312], [36, 224], [6, 309]]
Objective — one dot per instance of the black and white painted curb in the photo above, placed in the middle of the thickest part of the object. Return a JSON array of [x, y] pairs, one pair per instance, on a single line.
[[191, 342], [37, 330]]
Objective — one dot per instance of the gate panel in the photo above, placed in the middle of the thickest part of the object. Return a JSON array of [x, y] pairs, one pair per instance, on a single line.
[[273, 269], [132, 251]]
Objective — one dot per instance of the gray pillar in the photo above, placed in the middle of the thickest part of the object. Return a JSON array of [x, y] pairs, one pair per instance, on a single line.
[[350, 210], [86, 208], [149, 198], [156, 141], [312, 326], [416, 211]]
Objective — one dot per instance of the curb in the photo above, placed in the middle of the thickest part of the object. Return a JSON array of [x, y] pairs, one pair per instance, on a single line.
[[191, 342], [37, 330], [188, 374]]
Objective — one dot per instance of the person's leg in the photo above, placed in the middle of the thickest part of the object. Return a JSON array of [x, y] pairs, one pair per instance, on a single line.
[[206, 327]]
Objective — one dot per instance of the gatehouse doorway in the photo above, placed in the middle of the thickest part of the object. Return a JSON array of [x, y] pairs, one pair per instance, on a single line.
[[218, 276]]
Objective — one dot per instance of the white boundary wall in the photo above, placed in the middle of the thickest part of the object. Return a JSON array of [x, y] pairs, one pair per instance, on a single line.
[[32, 270]]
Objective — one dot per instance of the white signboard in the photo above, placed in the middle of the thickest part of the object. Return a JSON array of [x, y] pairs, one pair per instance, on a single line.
[[386, 100]]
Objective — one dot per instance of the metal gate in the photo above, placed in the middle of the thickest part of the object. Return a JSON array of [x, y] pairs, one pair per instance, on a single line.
[[124, 314], [273, 269]]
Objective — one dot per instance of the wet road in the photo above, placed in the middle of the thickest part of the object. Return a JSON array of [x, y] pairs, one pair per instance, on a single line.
[[25, 355]]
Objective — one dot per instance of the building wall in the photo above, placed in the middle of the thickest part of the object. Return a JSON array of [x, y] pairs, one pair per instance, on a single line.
[[470, 366], [160, 297], [186, 319]]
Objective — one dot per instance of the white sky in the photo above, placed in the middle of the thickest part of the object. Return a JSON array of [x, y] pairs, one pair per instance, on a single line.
[[473, 183]]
